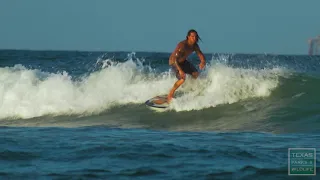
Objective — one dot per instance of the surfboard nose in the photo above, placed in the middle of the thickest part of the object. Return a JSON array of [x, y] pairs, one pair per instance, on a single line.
[[158, 102]]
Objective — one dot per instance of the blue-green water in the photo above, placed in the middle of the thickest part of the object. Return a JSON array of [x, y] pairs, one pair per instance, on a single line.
[[81, 115]]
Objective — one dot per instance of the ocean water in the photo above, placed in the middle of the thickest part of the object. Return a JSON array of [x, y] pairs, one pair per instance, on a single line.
[[81, 115]]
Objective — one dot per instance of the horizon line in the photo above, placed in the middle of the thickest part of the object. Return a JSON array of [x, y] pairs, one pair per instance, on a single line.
[[147, 51]]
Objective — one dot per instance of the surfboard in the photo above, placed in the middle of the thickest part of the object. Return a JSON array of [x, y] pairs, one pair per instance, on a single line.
[[158, 103]]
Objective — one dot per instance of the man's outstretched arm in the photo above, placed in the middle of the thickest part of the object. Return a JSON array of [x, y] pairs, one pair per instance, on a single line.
[[201, 57]]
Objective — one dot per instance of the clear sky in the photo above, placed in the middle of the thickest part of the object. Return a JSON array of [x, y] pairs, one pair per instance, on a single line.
[[246, 26]]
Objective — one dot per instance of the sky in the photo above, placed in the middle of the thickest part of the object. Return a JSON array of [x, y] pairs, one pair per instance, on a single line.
[[225, 26]]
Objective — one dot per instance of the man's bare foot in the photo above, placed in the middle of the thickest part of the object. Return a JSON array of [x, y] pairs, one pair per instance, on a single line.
[[159, 101]]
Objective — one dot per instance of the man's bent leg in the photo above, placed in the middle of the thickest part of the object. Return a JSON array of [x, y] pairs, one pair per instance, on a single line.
[[174, 88]]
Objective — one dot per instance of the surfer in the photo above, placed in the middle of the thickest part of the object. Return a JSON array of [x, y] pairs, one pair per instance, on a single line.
[[179, 63]]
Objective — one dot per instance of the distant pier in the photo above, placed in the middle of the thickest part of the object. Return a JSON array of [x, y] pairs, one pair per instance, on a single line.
[[314, 45]]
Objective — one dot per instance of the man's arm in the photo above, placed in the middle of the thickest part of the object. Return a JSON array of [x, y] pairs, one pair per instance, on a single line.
[[176, 54], [200, 54]]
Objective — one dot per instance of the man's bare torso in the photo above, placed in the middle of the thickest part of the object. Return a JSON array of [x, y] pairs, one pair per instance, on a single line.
[[182, 51]]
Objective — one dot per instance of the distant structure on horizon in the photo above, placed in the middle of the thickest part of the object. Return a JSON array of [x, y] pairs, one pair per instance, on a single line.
[[314, 45]]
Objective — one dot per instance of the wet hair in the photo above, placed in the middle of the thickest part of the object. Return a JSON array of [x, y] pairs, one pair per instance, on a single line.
[[193, 31]]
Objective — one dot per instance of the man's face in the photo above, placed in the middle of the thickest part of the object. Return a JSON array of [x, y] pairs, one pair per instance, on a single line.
[[192, 37]]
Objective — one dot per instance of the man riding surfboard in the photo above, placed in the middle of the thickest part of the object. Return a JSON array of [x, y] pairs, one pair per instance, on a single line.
[[179, 63]]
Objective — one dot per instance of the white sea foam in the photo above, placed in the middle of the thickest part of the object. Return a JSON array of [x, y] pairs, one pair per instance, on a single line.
[[26, 93], [225, 85]]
